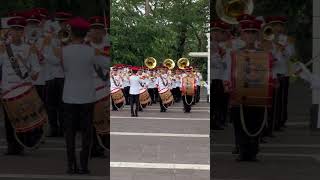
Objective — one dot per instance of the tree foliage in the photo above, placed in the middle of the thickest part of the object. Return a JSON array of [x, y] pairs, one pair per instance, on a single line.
[[172, 29]]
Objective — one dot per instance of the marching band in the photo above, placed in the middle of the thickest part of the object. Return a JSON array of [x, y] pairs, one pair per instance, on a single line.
[[151, 84], [55, 71], [250, 57]]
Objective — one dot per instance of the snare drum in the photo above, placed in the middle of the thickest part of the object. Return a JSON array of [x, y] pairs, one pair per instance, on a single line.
[[118, 97], [101, 120], [24, 108], [144, 97], [166, 97]]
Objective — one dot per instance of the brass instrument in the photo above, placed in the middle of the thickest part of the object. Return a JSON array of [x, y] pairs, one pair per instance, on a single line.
[[229, 10], [150, 62], [268, 33], [183, 63], [169, 63], [64, 35]]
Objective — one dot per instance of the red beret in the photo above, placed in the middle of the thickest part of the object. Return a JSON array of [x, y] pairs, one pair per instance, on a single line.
[[98, 21], [16, 14], [218, 24], [245, 18], [276, 19], [41, 11], [134, 68], [250, 26], [33, 16], [62, 16], [17, 22], [79, 23]]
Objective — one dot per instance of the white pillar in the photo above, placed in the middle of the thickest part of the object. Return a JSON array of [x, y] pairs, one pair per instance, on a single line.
[[208, 67], [316, 66]]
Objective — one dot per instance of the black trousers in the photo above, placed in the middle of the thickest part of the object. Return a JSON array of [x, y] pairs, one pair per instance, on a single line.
[[162, 108], [151, 92], [187, 102], [126, 94], [218, 104], [41, 90], [134, 99], [54, 102], [281, 113], [178, 94], [198, 94], [78, 117], [253, 118], [12, 143], [156, 95]]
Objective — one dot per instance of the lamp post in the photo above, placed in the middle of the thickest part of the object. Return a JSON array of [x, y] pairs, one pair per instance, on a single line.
[[315, 110], [205, 55]]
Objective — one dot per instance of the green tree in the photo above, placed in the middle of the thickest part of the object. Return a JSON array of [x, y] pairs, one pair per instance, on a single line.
[[171, 29]]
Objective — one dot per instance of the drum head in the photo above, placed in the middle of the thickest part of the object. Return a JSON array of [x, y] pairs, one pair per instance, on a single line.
[[17, 91]]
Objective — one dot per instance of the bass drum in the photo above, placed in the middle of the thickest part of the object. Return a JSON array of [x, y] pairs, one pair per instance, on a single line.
[[166, 97], [118, 98], [251, 78], [188, 88], [27, 114], [101, 119], [144, 98]]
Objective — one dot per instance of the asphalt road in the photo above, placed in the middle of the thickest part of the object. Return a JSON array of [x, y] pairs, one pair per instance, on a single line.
[[161, 146], [293, 154]]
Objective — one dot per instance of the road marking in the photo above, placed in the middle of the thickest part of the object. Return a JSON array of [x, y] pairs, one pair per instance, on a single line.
[[38, 176], [175, 107], [162, 118], [274, 154], [170, 110], [160, 134], [275, 145], [160, 166]]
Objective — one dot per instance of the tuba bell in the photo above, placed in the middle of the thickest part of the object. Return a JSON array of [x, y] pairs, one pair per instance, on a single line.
[[268, 33], [64, 34], [229, 10], [183, 63], [150, 62], [169, 63]]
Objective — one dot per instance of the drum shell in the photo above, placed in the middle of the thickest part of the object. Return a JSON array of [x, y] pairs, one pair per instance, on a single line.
[[166, 96], [251, 78], [117, 96], [25, 111], [144, 97], [101, 120]]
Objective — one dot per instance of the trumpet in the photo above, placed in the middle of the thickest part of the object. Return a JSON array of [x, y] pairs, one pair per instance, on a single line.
[[228, 10]]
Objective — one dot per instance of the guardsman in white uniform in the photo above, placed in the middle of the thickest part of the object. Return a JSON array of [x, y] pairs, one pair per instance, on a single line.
[[135, 86], [55, 79], [34, 38], [162, 82], [220, 32], [115, 83], [151, 86], [198, 78], [79, 93], [96, 40], [284, 50], [188, 80], [177, 78], [25, 69], [126, 85]]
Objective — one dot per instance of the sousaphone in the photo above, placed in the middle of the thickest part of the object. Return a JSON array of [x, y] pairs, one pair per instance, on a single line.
[[229, 10]]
